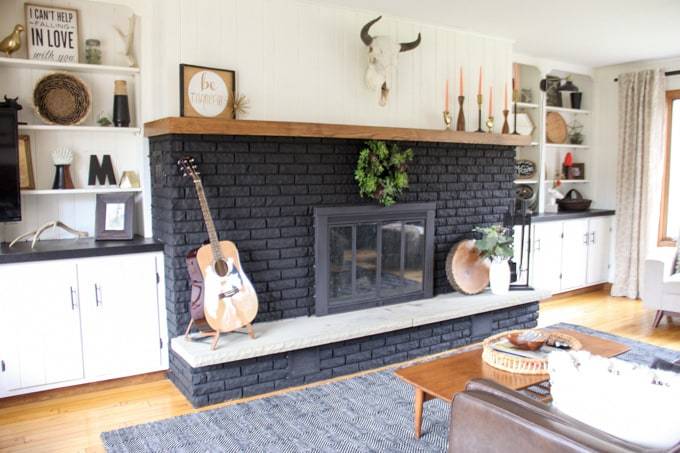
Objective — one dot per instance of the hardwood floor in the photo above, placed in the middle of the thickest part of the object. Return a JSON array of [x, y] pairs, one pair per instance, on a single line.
[[72, 421]]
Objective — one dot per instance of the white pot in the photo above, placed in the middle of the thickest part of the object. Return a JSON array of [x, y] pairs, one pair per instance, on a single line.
[[499, 276]]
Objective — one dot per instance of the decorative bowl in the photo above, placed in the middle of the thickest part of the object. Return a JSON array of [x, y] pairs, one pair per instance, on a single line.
[[530, 340]]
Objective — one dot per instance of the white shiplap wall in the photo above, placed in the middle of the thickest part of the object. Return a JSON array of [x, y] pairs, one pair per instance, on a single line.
[[301, 61]]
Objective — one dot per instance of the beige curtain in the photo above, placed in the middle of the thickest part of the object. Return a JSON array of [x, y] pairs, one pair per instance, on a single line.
[[638, 175]]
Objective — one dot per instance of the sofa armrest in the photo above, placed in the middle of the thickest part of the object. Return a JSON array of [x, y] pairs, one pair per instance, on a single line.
[[658, 267]]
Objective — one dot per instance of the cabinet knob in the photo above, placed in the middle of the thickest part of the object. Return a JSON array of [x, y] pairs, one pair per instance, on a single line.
[[592, 237]]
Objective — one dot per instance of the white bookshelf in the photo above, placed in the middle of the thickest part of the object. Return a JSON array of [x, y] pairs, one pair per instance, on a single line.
[[566, 145], [22, 63], [78, 129], [125, 145], [549, 156], [80, 191], [549, 108]]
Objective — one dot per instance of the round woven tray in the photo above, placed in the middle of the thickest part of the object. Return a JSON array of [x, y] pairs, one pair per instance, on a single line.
[[61, 98], [517, 364]]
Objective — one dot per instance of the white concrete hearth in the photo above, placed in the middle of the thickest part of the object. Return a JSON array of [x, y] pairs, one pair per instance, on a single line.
[[304, 332]]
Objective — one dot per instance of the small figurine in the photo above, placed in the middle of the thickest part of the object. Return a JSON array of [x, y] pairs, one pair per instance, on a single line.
[[12, 42], [11, 103], [129, 41]]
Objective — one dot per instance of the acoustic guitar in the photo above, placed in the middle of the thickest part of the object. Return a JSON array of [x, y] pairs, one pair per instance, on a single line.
[[229, 299]]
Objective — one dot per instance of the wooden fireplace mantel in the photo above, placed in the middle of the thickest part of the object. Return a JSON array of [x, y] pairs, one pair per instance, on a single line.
[[209, 126]]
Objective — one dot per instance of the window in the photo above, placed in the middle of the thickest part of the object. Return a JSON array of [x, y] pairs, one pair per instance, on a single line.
[[669, 226]]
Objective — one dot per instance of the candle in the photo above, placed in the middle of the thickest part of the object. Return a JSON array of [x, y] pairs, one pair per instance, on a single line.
[[505, 96], [460, 81], [479, 89], [516, 76], [446, 96], [490, 100]]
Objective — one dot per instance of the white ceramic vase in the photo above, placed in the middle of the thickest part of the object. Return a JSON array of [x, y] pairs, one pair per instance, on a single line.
[[499, 276]]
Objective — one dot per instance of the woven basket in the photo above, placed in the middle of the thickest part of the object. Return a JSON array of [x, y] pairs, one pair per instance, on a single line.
[[63, 99], [522, 365]]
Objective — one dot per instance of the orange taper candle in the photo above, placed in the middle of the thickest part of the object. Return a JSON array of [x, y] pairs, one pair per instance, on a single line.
[[490, 100], [505, 97], [479, 89], [460, 83], [446, 96]]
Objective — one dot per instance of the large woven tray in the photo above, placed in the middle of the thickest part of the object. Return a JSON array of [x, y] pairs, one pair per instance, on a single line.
[[521, 365]]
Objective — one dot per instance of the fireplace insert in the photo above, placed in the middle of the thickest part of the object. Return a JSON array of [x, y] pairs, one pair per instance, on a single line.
[[368, 256]]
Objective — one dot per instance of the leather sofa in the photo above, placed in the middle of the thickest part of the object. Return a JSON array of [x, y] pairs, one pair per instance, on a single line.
[[488, 417]]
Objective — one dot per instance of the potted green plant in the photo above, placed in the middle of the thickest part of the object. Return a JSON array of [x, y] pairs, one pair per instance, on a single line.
[[381, 171], [496, 244]]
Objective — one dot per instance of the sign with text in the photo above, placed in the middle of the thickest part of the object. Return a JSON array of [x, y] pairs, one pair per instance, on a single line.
[[207, 92], [52, 33]]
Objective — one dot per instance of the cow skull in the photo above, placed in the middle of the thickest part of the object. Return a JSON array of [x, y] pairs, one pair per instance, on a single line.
[[382, 59]]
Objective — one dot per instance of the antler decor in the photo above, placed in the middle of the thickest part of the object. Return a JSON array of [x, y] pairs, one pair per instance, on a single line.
[[51, 224]]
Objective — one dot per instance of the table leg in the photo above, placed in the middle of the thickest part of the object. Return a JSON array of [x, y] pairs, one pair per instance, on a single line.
[[418, 410]]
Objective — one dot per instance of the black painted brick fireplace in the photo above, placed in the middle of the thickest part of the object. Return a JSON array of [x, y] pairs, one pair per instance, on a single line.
[[262, 192]]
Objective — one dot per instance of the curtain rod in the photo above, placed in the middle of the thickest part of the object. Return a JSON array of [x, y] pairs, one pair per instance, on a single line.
[[667, 74]]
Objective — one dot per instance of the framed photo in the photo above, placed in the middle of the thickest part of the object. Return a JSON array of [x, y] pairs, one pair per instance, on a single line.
[[206, 92], [26, 178], [552, 93], [577, 171], [52, 33], [114, 216]]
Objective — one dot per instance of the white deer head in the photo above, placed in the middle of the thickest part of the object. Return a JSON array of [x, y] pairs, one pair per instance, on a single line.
[[382, 59]]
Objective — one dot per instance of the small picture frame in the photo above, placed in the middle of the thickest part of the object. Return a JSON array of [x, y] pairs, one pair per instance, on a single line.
[[552, 93], [114, 216], [577, 171], [52, 33], [206, 92], [26, 177]]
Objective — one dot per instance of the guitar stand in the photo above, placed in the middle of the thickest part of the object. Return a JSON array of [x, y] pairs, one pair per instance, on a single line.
[[215, 334]]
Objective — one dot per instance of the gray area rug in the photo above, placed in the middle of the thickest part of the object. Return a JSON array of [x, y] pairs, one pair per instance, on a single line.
[[370, 413]]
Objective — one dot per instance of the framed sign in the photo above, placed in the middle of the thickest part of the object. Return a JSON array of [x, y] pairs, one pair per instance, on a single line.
[[26, 178], [206, 92], [52, 33], [576, 171], [114, 216]]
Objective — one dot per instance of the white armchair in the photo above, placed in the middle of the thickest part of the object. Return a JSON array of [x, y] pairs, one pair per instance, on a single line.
[[661, 286]]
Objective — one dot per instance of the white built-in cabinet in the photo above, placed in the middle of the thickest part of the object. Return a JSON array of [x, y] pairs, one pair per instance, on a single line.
[[569, 254], [65, 322]]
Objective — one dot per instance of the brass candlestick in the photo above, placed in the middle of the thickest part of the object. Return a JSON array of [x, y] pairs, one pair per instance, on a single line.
[[506, 126], [460, 123], [515, 98], [447, 120], [489, 124], [480, 99]]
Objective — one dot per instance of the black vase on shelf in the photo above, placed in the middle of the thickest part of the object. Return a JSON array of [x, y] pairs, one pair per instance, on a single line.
[[121, 107], [576, 98]]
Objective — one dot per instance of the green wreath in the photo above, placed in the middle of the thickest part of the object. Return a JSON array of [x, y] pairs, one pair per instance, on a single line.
[[382, 172]]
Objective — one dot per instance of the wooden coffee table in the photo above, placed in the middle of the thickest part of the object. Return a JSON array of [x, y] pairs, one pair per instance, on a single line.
[[443, 378]]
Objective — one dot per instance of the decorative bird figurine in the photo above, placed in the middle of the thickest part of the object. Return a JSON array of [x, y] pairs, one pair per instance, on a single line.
[[12, 42]]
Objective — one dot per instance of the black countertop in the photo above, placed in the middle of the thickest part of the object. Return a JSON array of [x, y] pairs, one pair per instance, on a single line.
[[74, 248], [566, 215]]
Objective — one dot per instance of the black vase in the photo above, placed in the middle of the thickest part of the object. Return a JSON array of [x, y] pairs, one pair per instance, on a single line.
[[121, 107], [576, 98]]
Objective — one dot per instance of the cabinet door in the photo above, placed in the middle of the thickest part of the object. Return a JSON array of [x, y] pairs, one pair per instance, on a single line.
[[40, 339], [546, 256], [574, 254], [598, 249], [119, 304]]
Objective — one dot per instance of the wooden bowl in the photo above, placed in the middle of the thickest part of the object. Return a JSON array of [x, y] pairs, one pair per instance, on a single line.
[[530, 340], [62, 98]]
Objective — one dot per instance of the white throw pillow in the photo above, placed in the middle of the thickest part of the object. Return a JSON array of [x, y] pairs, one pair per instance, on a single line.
[[627, 400]]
